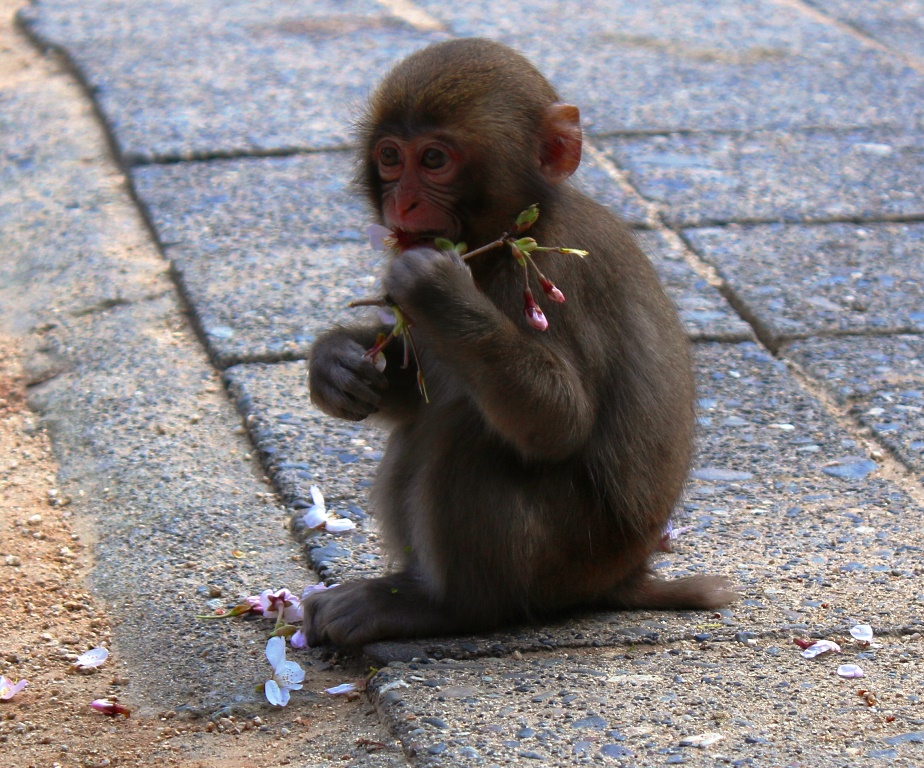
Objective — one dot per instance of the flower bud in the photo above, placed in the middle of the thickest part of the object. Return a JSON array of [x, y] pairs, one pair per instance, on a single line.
[[526, 244], [551, 290], [517, 254], [527, 218], [533, 312]]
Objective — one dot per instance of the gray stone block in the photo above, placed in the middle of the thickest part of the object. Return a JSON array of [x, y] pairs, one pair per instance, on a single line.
[[702, 179], [699, 65], [645, 707], [706, 315], [900, 26], [174, 84], [253, 246], [803, 280], [596, 177], [881, 378]]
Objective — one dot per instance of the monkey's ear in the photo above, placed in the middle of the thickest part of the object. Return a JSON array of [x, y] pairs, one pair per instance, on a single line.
[[560, 154]]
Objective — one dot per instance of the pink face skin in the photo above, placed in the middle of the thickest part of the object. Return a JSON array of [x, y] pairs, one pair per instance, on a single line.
[[418, 177]]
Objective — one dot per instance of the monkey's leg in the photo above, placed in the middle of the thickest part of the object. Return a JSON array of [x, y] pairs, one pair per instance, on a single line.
[[690, 593], [360, 612]]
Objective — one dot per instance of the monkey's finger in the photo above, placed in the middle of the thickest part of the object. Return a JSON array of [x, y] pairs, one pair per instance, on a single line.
[[357, 387]]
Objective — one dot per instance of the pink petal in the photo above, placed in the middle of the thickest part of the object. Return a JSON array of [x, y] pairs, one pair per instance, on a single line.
[[822, 646], [8, 690]]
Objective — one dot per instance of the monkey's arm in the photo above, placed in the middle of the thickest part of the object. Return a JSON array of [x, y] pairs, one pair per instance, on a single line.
[[346, 384], [530, 391]]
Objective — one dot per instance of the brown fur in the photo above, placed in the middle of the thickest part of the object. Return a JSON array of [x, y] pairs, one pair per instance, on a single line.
[[541, 475]]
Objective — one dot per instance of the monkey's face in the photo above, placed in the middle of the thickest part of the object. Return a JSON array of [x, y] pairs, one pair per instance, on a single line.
[[419, 186]]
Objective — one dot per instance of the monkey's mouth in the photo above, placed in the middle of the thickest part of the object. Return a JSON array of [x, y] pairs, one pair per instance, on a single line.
[[405, 239]]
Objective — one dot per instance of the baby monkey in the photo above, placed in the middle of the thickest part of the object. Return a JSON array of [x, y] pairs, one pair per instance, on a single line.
[[541, 475]]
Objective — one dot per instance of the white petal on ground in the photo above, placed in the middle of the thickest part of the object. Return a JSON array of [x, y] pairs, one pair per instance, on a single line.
[[339, 524], [849, 670], [316, 496], [92, 658], [862, 632], [289, 675], [276, 651], [341, 689], [701, 740], [274, 694], [822, 646], [315, 517]]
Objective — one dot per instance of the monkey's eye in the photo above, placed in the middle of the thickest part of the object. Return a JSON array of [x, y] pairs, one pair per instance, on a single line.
[[434, 158], [389, 156]]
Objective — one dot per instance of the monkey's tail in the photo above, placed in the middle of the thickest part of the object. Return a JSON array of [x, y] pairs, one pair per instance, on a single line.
[[690, 593]]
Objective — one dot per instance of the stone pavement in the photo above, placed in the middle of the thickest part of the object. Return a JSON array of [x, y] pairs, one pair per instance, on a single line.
[[769, 154]]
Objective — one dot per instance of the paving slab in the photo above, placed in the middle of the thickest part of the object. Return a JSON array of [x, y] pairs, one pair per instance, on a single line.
[[898, 25], [882, 380], [250, 79], [699, 65], [781, 500], [796, 281], [53, 204], [705, 313], [702, 179], [740, 704]]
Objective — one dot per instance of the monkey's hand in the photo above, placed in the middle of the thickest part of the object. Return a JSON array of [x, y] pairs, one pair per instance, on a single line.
[[412, 274], [343, 381]]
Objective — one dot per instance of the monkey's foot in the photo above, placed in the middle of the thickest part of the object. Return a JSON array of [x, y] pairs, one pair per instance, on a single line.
[[361, 612]]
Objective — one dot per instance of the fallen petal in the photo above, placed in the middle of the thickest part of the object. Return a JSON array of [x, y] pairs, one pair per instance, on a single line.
[[822, 646], [341, 689], [701, 740], [339, 525], [298, 640], [274, 694], [110, 707], [849, 670], [316, 496], [8, 690], [315, 517], [312, 588], [276, 652], [862, 632], [92, 658]]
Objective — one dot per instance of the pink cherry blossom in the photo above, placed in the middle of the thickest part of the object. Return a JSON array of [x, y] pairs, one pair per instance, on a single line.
[[8, 689]]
